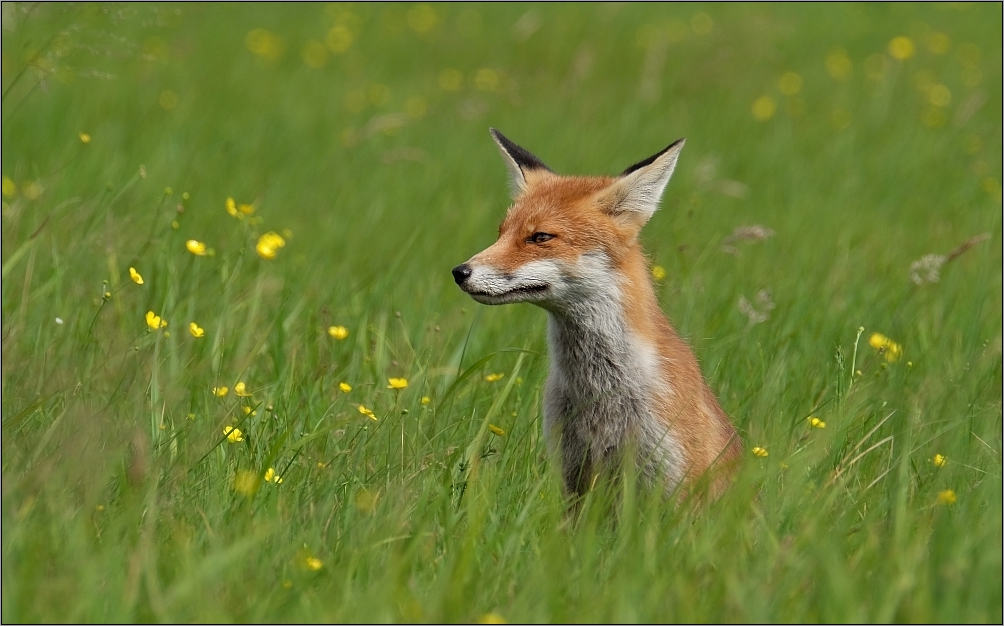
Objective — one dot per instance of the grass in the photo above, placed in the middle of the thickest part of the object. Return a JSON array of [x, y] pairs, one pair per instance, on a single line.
[[123, 499]]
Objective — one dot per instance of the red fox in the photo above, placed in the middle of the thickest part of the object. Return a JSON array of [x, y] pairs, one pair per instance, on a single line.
[[620, 377]]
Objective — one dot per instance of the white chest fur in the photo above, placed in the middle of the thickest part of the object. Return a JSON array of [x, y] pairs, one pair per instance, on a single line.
[[602, 389]]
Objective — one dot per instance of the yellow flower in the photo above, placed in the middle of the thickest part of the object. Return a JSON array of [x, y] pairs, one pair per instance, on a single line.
[[246, 482], [790, 83], [366, 500], [492, 618], [486, 79], [892, 350], [9, 188], [134, 275], [901, 48], [494, 377], [939, 96], [241, 390], [196, 330], [939, 460], [422, 18], [397, 383], [220, 392], [247, 209], [815, 422], [314, 563], [338, 332], [658, 272], [84, 138], [946, 497], [764, 108], [232, 209], [269, 244], [345, 387], [367, 413], [264, 44], [271, 476], [339, 38], [760, 452], [426, 400], [196, 247], [249, 411], [315, 54], [234, 435], [839, 64], [496, 430], [154, 321]]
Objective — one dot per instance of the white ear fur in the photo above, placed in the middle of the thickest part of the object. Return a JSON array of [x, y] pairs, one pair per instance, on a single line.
[[517, 180], [639, 190]]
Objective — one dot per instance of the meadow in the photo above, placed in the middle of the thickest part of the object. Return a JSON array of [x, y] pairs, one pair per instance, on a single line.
[[239, 384]]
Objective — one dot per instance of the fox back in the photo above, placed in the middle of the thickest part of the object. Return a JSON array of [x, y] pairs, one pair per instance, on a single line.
[[620, 377]]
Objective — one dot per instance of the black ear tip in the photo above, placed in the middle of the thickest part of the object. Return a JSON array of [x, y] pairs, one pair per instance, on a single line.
[[522, 157], [640, 164], [676, 144]]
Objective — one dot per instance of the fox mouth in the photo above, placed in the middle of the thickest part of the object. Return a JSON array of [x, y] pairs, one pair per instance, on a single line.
[[513, 295]]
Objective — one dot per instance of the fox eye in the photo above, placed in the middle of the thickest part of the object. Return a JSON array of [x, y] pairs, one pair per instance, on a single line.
[[539, 238]]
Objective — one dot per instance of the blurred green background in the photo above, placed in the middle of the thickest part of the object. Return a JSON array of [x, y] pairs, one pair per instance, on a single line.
[[842, 170]]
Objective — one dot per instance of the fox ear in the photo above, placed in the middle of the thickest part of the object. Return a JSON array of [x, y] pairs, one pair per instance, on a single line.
[[635, 196], [522, 165]]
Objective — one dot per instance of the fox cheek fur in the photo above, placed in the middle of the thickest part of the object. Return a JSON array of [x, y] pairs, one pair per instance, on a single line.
[[620, 376]]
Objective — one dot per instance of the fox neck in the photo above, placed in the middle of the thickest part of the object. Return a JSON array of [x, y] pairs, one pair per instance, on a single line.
[[605, 376], [599, 335], [594, 352]]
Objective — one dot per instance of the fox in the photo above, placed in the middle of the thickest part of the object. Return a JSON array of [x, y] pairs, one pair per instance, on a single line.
[[620, 377]]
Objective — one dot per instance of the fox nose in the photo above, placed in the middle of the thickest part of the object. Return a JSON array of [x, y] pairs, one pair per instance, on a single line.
[[462, 273]]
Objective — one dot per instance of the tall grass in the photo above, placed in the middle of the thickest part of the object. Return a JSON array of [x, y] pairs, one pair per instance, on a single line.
[[859, 138]]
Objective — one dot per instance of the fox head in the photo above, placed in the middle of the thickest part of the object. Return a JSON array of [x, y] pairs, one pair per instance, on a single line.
[[565, 238]]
